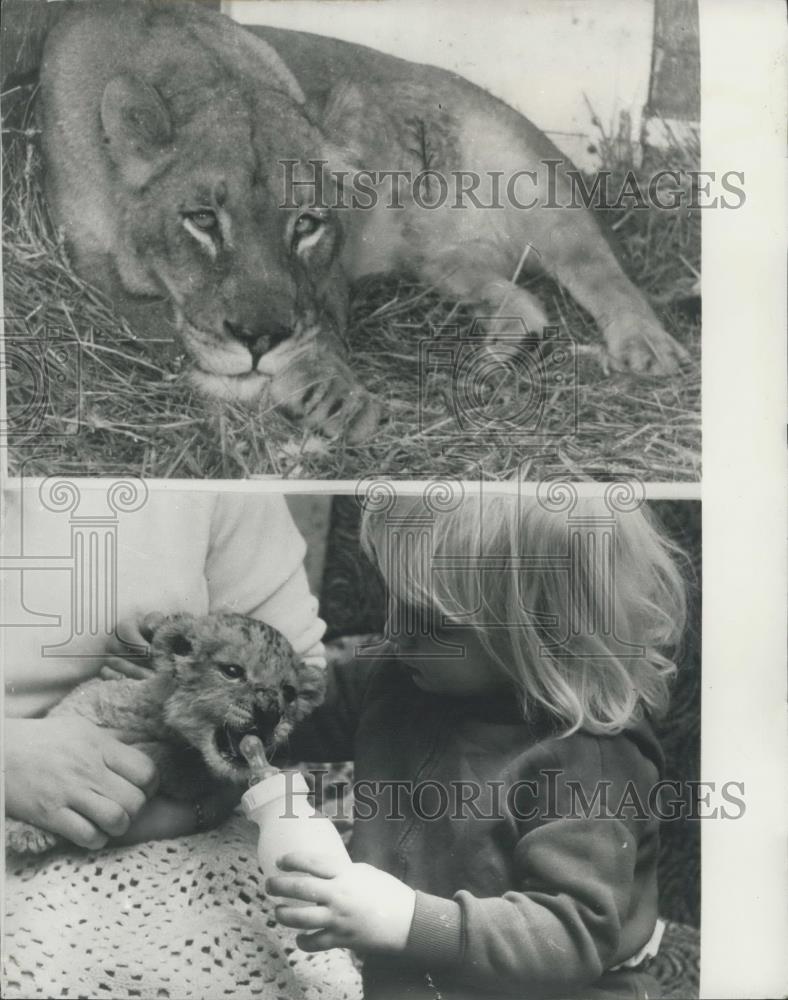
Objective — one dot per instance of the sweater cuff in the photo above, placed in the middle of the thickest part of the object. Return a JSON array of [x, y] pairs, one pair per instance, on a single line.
[[435, 936]]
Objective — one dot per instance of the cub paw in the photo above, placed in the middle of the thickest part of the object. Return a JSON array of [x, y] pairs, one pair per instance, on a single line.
[[641, 345], [24, 838]]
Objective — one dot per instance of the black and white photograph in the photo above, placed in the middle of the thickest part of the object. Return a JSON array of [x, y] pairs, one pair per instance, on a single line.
[[504, 693], [334, 239], [393, 560]]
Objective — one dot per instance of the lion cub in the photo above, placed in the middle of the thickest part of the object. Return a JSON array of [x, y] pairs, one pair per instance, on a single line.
[[214, 679]]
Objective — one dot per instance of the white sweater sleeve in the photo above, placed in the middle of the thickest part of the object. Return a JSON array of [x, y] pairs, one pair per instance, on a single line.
[[254, 566]]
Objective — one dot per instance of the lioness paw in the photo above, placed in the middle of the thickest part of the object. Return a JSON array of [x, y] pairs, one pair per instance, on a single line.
[[330, 402], [364, 422], [351, 413], [642, 346], [24, 838]]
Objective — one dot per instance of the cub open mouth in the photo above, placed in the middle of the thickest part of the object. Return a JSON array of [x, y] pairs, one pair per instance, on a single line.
[[228, 743], [228, 738]]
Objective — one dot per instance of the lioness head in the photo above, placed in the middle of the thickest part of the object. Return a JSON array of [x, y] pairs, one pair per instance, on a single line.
[[251, 269]]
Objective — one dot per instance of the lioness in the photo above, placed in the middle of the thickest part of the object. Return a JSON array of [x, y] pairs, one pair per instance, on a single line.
[[179, 148]]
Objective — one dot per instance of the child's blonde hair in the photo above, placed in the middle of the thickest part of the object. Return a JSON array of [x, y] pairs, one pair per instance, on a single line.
[[584, 625]]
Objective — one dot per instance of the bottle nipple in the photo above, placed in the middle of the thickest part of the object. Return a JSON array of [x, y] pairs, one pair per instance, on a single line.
[[259, 769]]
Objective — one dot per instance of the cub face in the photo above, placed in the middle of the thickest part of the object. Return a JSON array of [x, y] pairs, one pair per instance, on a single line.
[[225, 676]]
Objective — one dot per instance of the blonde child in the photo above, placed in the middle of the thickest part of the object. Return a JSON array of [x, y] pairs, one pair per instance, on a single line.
[[501, 843]]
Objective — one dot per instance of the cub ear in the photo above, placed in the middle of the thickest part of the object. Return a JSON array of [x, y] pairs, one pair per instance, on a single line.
[[311, 682], [137, 127], [149, 624], [173, 638]]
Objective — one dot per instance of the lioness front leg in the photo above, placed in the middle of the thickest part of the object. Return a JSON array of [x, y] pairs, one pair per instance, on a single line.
[[575, 253], [500, 305]]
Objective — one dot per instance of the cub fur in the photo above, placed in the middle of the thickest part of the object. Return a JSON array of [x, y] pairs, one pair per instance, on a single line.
[[214, 679]]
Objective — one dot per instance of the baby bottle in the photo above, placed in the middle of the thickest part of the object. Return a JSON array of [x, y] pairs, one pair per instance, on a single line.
[[277, 802]]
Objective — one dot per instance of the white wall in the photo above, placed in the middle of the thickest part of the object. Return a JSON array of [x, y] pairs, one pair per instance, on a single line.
[[541, 56]]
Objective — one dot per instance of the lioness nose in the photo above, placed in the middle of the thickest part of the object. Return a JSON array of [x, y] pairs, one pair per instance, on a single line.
[[260, 342]]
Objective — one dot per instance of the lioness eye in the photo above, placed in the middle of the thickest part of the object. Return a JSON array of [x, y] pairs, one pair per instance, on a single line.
[[307, 225], [289, 693], [204, 219], [232, 671]]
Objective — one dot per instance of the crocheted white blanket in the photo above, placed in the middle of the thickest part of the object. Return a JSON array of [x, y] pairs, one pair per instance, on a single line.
[[185, 918]]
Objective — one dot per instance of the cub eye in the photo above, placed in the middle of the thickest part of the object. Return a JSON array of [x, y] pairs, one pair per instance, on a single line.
[[289, 693], [204, 219], [232, 671], [307, 224]]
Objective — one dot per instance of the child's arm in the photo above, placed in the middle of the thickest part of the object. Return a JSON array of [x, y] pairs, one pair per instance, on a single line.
[[558, 929], [562, 932], [573, 878], [328, 734]]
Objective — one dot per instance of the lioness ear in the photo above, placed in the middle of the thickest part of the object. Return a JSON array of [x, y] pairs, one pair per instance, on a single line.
[[137, 126], [342, 121]]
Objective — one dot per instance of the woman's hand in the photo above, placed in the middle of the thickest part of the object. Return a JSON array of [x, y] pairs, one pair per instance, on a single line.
[[358, 906], [163, 818], [136, 631], [75, 779]]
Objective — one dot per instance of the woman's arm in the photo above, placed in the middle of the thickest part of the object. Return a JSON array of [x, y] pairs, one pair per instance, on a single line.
[[255, 566], [162, 818]]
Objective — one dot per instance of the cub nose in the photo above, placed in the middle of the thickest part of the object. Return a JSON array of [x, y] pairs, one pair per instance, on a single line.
[[260, 342]]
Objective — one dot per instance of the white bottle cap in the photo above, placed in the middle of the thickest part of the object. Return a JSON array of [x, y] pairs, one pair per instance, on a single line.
[[278, 786]]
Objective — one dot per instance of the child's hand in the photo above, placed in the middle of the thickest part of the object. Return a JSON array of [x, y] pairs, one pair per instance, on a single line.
[[73, 778], [136, 631], [358, 906]]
